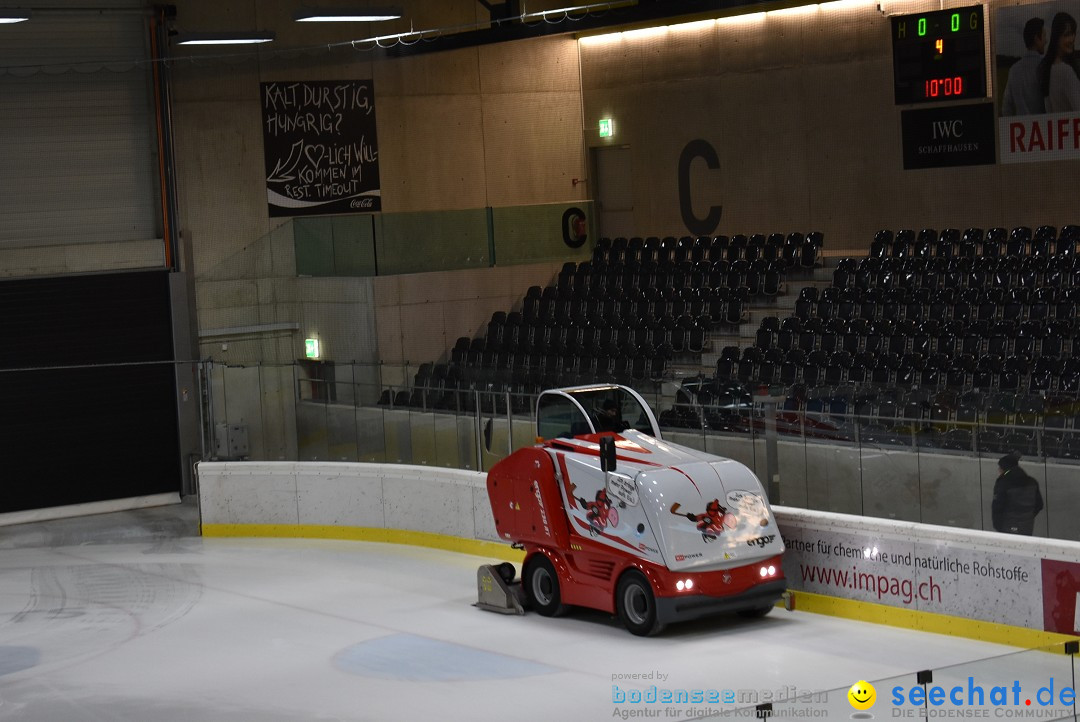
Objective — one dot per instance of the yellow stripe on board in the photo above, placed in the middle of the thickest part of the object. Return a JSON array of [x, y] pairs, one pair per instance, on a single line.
[[804, 601], [927, 621], [446, 542]]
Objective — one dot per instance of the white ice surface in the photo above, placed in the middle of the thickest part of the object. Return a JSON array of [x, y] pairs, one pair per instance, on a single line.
[[249, 629]]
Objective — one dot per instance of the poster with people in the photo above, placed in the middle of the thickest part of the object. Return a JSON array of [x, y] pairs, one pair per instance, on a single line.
[[1037, 84]]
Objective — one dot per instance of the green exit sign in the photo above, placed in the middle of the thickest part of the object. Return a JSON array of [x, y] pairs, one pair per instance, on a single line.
[[607, 128], [311, 347]]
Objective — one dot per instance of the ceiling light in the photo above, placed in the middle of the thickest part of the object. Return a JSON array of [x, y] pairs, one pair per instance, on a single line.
[[238, 38], [347, 15], [13, 16]]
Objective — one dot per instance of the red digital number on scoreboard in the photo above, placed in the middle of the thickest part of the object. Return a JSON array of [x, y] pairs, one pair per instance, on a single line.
[[944, 87]]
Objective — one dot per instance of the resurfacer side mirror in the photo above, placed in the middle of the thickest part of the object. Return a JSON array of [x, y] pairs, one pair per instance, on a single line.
[[607, 454]]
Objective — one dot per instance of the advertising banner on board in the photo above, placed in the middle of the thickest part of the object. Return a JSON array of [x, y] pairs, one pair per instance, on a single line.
[[950, 136], [1037, 84], [960, 581]]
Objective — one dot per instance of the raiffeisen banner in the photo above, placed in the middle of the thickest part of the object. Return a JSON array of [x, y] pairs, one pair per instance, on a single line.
[[1037, 82]]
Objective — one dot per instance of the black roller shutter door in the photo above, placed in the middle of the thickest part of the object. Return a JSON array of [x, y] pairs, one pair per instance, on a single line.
[[87, 390]]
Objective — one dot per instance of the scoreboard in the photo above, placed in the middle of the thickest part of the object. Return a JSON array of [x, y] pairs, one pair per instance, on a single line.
[[939, 56]]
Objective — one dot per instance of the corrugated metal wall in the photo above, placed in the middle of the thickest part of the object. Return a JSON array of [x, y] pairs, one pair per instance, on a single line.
[[77, 131]]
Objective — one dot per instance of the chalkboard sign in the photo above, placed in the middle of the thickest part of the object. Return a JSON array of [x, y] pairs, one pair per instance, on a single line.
[[322, 154]]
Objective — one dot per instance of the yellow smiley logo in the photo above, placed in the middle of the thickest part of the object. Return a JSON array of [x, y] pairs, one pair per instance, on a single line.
[[862, 695]]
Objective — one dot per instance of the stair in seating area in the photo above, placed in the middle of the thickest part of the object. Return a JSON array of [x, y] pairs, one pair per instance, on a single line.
[[781, 305]]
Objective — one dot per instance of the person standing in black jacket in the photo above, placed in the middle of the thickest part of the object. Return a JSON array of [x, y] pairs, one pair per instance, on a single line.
[[1017, 499]]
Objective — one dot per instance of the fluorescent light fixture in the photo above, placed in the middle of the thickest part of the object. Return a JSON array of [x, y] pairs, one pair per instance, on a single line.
[[8, 17], [417, 34], [237, 38], [577, 9], [347, 15]]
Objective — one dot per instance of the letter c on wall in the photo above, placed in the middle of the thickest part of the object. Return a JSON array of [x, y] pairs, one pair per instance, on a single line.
[[697, 226]]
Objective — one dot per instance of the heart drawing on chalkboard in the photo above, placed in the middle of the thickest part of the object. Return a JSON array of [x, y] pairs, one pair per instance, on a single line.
[[314, 154]]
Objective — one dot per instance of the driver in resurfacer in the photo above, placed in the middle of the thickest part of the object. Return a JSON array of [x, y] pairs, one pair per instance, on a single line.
[[610, 417]]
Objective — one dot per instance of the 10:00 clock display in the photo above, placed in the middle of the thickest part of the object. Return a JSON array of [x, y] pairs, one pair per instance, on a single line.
[[939, 55], [944, 87]]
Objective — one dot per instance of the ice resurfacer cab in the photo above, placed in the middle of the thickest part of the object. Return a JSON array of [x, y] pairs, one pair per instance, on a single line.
[[614, 518]]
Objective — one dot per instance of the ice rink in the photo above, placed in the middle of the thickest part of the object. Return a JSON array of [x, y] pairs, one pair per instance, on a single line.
[[132, 616]]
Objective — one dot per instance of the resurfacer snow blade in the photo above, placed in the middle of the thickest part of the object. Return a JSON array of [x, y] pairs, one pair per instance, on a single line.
[[495, 594]]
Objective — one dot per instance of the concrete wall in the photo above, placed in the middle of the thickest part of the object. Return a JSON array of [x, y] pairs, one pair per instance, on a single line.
[[382, 496], [55, 260], [262, 399], [406, 436], [419, 317]]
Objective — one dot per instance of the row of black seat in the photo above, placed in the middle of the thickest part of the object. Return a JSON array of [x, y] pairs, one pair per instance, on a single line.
[[985, 307], [665, 338], [532, 331], [939, 273], [1053, 338], [587, 279], [448, 387], [530, 369], [952, 242], [793, 250], [952, 294], [909, 369], [552, 300], [1054, 261]]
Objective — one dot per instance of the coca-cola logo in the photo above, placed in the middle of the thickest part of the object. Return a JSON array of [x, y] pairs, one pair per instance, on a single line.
[[362, 203]]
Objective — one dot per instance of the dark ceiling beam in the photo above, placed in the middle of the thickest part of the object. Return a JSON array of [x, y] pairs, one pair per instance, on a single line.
[[506, 10]]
